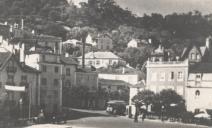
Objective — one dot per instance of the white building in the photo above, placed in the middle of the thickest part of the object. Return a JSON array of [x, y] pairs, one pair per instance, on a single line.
[[199, 88], [100, 59], [133, 43]]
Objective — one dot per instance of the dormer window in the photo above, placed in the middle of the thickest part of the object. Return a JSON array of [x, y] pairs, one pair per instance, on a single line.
[[192, 56], [198, 57], [198, 77]]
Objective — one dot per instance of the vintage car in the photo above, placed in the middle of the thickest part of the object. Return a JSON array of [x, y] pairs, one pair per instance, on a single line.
[[116, 107]]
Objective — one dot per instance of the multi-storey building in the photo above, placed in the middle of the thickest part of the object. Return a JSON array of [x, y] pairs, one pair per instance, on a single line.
[[104, 42], [199, 87], [167, 75], [19, 83], [56, 70]]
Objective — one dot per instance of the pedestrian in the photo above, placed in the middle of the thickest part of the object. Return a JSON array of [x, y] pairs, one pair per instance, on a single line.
[[136, 113], [143, 116]]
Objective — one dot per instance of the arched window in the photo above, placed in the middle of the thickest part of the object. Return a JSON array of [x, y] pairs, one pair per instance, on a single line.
[[197, 93]]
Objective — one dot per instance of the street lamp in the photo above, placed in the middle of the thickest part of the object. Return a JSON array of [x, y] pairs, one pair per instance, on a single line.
[[21, 103]]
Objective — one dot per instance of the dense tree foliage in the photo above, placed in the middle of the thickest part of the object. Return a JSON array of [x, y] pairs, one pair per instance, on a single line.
[[58, 18], [173, 104]]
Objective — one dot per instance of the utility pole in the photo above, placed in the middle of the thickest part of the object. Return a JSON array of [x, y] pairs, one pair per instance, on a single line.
[[84, 35], [30, 91]]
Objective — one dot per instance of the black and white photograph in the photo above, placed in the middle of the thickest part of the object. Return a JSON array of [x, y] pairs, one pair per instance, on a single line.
[[105, 63]]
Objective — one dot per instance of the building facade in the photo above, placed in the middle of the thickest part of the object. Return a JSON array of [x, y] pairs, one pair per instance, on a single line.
[[56, 71], [19, 83], [199, 87], [167, 75], [100, 59], [104, 42]]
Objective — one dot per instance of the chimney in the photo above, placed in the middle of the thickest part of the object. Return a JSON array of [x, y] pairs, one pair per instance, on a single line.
[[22, 56], [22, 24], [207, 43]]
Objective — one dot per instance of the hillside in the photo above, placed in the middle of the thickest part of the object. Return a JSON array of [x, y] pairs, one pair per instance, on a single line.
[[174, 31]]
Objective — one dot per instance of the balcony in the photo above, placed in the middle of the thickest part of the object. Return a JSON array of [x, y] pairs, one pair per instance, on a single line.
[[166, 63], [11, 69], [11, 83]]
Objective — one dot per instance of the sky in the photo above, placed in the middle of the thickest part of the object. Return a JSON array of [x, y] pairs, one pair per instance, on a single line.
[[164, 7]]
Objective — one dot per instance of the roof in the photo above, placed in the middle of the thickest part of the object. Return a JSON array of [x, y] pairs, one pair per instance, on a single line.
[[201, 68], [5, 55], [100, 55], [68, 60], [140, 84], [36, 38], [113, 82], [186, 50], [27, 68]]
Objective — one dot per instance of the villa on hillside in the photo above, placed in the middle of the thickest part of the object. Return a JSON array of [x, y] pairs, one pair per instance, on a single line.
[[100, 59]]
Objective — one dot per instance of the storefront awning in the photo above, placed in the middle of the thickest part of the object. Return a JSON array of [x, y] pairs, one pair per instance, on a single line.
[[15, 88]]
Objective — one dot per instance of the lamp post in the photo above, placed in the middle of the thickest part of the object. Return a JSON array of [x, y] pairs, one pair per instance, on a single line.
[[30, 95], [21, 104]]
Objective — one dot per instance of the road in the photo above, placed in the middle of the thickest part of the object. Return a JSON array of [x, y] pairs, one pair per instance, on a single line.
[[124, 122], [100, 119]]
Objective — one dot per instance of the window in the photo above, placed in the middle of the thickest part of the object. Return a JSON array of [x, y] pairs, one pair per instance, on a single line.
[[67, 83], [180, 76], [43, 81], [192, 56], [56, 69], [24, 78], [108, 47], [171, 76], [56, 82], [44, 57], [198, 57], [55, 94], [197, 93], [97, 62], [10, 78], [198, 76], [44, 69], [154, 76], [90, 62], [68, 73], [162, 76]]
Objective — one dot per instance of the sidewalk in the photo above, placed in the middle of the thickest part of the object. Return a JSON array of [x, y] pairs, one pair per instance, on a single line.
[[168, 122]]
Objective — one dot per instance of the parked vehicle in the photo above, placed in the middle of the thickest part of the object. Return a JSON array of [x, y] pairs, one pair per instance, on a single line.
[[116, 107], [203, 114]]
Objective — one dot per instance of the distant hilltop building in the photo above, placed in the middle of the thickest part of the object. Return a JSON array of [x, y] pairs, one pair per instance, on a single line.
[[77, 2], [104, 42], [100, 59], [135, 43]]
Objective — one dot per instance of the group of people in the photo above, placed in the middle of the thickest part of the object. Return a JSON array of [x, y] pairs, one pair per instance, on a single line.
[[139, 110]]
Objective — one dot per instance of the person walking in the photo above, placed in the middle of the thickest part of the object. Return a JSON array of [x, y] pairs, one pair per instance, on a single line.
[[136, 112]]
